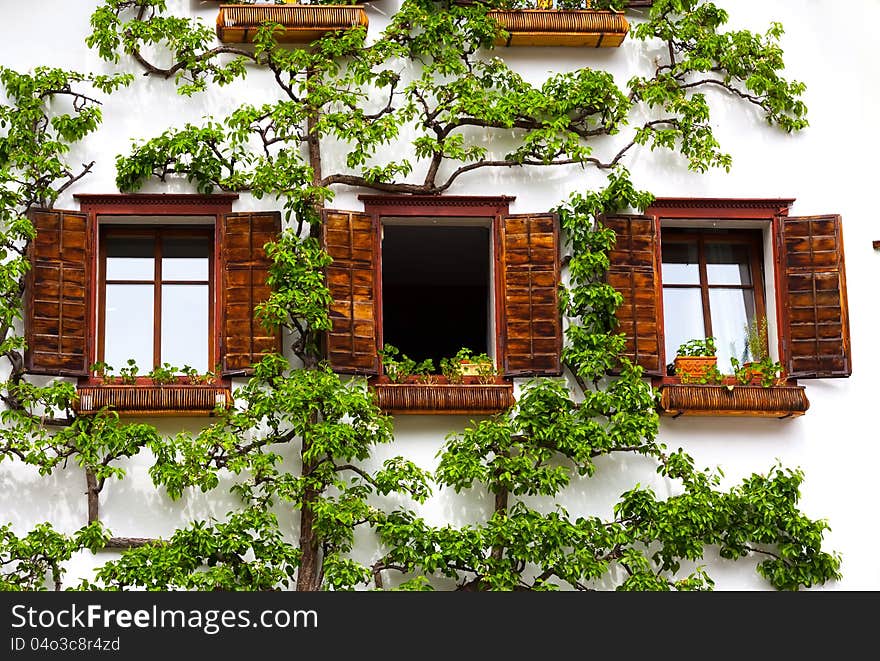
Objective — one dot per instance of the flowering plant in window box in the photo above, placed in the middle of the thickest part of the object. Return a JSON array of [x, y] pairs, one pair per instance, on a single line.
[[696, 360]]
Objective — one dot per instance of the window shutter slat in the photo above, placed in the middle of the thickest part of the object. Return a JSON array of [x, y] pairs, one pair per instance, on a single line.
[[816, 317], [352, 342], [244, 341], [531, 323], [634, 273], [57, 294]]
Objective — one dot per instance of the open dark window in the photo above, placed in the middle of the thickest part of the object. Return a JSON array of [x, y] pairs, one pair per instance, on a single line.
[[436, 295], [433, 275]]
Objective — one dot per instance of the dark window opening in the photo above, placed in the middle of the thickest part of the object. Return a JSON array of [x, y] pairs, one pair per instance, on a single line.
[[436, 295]]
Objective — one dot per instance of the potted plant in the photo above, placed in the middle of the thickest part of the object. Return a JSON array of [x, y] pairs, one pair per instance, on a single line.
[[696, 360], [757, 366]]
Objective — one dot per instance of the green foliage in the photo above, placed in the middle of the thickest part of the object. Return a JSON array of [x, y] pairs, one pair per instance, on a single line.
[[697, 347], [28, 563], [246, 552], [756, 339]]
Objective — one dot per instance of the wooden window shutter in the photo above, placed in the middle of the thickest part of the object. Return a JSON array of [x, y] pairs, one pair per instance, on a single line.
[[531, 324], [244, 341], [815, 326], [57, 294], [634, 272], [352, 342]]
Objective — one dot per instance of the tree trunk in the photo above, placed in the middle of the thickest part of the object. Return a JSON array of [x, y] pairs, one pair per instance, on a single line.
[[308, 577], [92, 494]]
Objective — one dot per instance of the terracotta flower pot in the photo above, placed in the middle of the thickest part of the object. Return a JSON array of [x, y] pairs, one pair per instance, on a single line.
[[693, 368]]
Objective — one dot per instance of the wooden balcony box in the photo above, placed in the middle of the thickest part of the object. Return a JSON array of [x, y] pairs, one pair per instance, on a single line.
[[782, 401], [149, 400], [591, 28], [468, 398], [301, 23]]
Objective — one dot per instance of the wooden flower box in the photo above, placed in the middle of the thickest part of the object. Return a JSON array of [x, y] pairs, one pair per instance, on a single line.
[[591, 28], [782, 401], [301, 23], [444, 398], [149, 400]]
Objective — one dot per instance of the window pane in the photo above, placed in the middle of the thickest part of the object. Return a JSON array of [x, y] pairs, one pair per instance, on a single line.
[[185, 325], [682, 318], [128, 326], [728, 264], [185, 257], [681, 264], [731, 310], [129, 258]]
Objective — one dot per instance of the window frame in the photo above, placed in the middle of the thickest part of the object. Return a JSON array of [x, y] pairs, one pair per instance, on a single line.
[[163, 205], [490, 209], [156, 232], [750, 237], [756, 213]]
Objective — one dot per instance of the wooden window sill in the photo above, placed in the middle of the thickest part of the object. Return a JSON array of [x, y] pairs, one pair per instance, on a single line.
[[179, 399], [442, 398], [782, 401]]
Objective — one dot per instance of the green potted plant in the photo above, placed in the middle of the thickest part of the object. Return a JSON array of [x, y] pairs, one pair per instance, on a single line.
[[757, 366], [696, 360]]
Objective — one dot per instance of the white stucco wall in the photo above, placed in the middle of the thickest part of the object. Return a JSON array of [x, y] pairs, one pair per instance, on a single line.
[[827, 168]]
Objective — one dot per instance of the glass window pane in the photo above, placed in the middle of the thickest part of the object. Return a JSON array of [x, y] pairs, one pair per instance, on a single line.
[[682, 318], [128, 326], [185, 326], [731, 310], [185, 257], [130, 258], [728, 264], [681, 264]]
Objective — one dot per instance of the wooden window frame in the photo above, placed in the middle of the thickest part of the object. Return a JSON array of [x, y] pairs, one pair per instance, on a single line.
[[156, 233], [755, 212], [490, 209], [701, 236], [159, 205]]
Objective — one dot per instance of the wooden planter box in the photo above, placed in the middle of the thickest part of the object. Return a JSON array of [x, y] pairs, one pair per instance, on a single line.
[[592, 28], [444, 398], [302, 23], [742, 400], [140, 399]]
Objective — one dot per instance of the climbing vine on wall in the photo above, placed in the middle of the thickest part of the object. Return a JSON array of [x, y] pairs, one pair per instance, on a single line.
[[300, 437]]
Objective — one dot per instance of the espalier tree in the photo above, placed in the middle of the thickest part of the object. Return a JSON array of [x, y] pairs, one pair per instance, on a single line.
[[432, 75]]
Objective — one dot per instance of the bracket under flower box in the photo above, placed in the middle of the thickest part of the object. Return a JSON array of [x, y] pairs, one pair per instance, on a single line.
[[444, 398], [149, 400], [741, 400], [590, 28], [302, 23]]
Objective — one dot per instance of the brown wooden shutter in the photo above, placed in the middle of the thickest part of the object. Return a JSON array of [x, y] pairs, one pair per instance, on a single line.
[[244, 341], [352, 342], [531, 325], [57, 294], [634, 273], [815, 326]]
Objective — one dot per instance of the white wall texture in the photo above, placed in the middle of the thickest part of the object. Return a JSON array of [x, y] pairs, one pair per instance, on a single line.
[[827, 168]]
